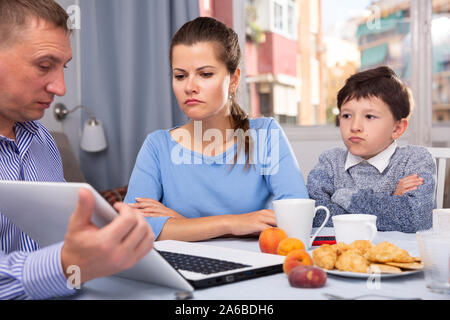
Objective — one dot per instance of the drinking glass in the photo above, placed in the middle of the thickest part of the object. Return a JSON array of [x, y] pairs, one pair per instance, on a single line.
[[434, 249]]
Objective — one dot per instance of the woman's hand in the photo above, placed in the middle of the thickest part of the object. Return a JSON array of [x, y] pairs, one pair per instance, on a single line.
[[152, 208], [409, 183], [252, 223]]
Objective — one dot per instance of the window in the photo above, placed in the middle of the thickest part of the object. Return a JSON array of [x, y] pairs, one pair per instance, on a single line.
[[278, 16], [291, 19], [284, 16], [440, 37], [335, 39], [360, 35], [265, 105]]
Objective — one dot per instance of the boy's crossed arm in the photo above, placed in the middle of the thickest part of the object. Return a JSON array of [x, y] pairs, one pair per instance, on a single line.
[[409, 183], [408, 209]]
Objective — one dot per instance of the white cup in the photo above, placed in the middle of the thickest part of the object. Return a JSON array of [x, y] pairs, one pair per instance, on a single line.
[[441, 220], [295, 217], [351, 227]]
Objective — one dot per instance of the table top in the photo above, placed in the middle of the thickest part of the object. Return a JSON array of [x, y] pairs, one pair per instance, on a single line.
[[274, 287]]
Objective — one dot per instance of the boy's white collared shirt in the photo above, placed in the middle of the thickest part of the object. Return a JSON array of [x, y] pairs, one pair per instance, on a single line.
[[380, 161]]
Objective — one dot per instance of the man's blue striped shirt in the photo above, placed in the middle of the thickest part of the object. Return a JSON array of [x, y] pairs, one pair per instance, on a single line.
[[26, 270]]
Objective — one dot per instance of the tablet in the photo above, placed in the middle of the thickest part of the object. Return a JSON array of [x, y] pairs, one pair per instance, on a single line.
[[43, 210]]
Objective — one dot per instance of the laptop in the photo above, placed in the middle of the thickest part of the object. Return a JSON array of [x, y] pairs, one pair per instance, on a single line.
[[43, 210]]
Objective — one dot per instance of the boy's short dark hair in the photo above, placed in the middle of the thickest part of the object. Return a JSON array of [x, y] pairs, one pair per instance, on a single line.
[[382, 83], [15, 14]]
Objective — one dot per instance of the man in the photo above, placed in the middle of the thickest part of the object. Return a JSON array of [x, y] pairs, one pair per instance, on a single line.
[[34, 49]]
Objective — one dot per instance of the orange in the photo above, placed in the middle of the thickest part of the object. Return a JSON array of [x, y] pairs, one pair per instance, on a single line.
[[297, 257], [269, 239], [289, 244]]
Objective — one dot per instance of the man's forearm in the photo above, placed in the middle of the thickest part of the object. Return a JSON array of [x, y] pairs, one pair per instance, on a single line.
[[33, 275]]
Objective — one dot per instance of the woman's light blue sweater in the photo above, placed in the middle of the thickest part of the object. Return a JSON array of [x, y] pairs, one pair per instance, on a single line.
[[195, 185]]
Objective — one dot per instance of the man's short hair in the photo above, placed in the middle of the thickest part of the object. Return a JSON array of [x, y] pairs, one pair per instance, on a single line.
[[382, 83], [16, 14]]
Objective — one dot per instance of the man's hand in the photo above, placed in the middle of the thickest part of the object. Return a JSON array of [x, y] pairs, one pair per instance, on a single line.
[[153, 208], [408, 183], [102, 252]]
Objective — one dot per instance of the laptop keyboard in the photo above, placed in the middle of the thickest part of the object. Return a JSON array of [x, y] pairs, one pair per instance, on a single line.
[[199, 264]]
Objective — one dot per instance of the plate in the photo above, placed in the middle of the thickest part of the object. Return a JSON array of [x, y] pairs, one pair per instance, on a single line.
[[367, 275]]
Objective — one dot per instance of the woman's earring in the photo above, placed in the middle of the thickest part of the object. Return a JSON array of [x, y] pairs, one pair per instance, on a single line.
[[230, 97]]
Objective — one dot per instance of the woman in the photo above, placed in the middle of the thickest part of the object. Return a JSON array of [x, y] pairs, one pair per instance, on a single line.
[[217, 174]]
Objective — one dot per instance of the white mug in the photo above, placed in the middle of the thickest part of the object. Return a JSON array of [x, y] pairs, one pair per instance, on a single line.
[[351, 227], [295, 217]]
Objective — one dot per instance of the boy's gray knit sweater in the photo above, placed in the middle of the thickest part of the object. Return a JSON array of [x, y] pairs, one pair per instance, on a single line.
[[363, 189]]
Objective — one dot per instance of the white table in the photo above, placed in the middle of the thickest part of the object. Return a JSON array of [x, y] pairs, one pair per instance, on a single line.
[[274, 287]]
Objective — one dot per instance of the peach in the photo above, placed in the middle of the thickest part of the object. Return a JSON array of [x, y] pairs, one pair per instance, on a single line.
[[298, 257], [269, 239], [288, 244], [307, 277]]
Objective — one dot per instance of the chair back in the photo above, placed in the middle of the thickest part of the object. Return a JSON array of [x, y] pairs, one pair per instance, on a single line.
[[71, 167], [440, 155]]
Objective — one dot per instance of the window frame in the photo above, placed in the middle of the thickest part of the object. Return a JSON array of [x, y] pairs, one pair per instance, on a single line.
[[276, 19], [286, 6], [421, 131]]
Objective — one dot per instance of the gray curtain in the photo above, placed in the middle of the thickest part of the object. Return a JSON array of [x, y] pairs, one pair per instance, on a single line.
[[126, 78]]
